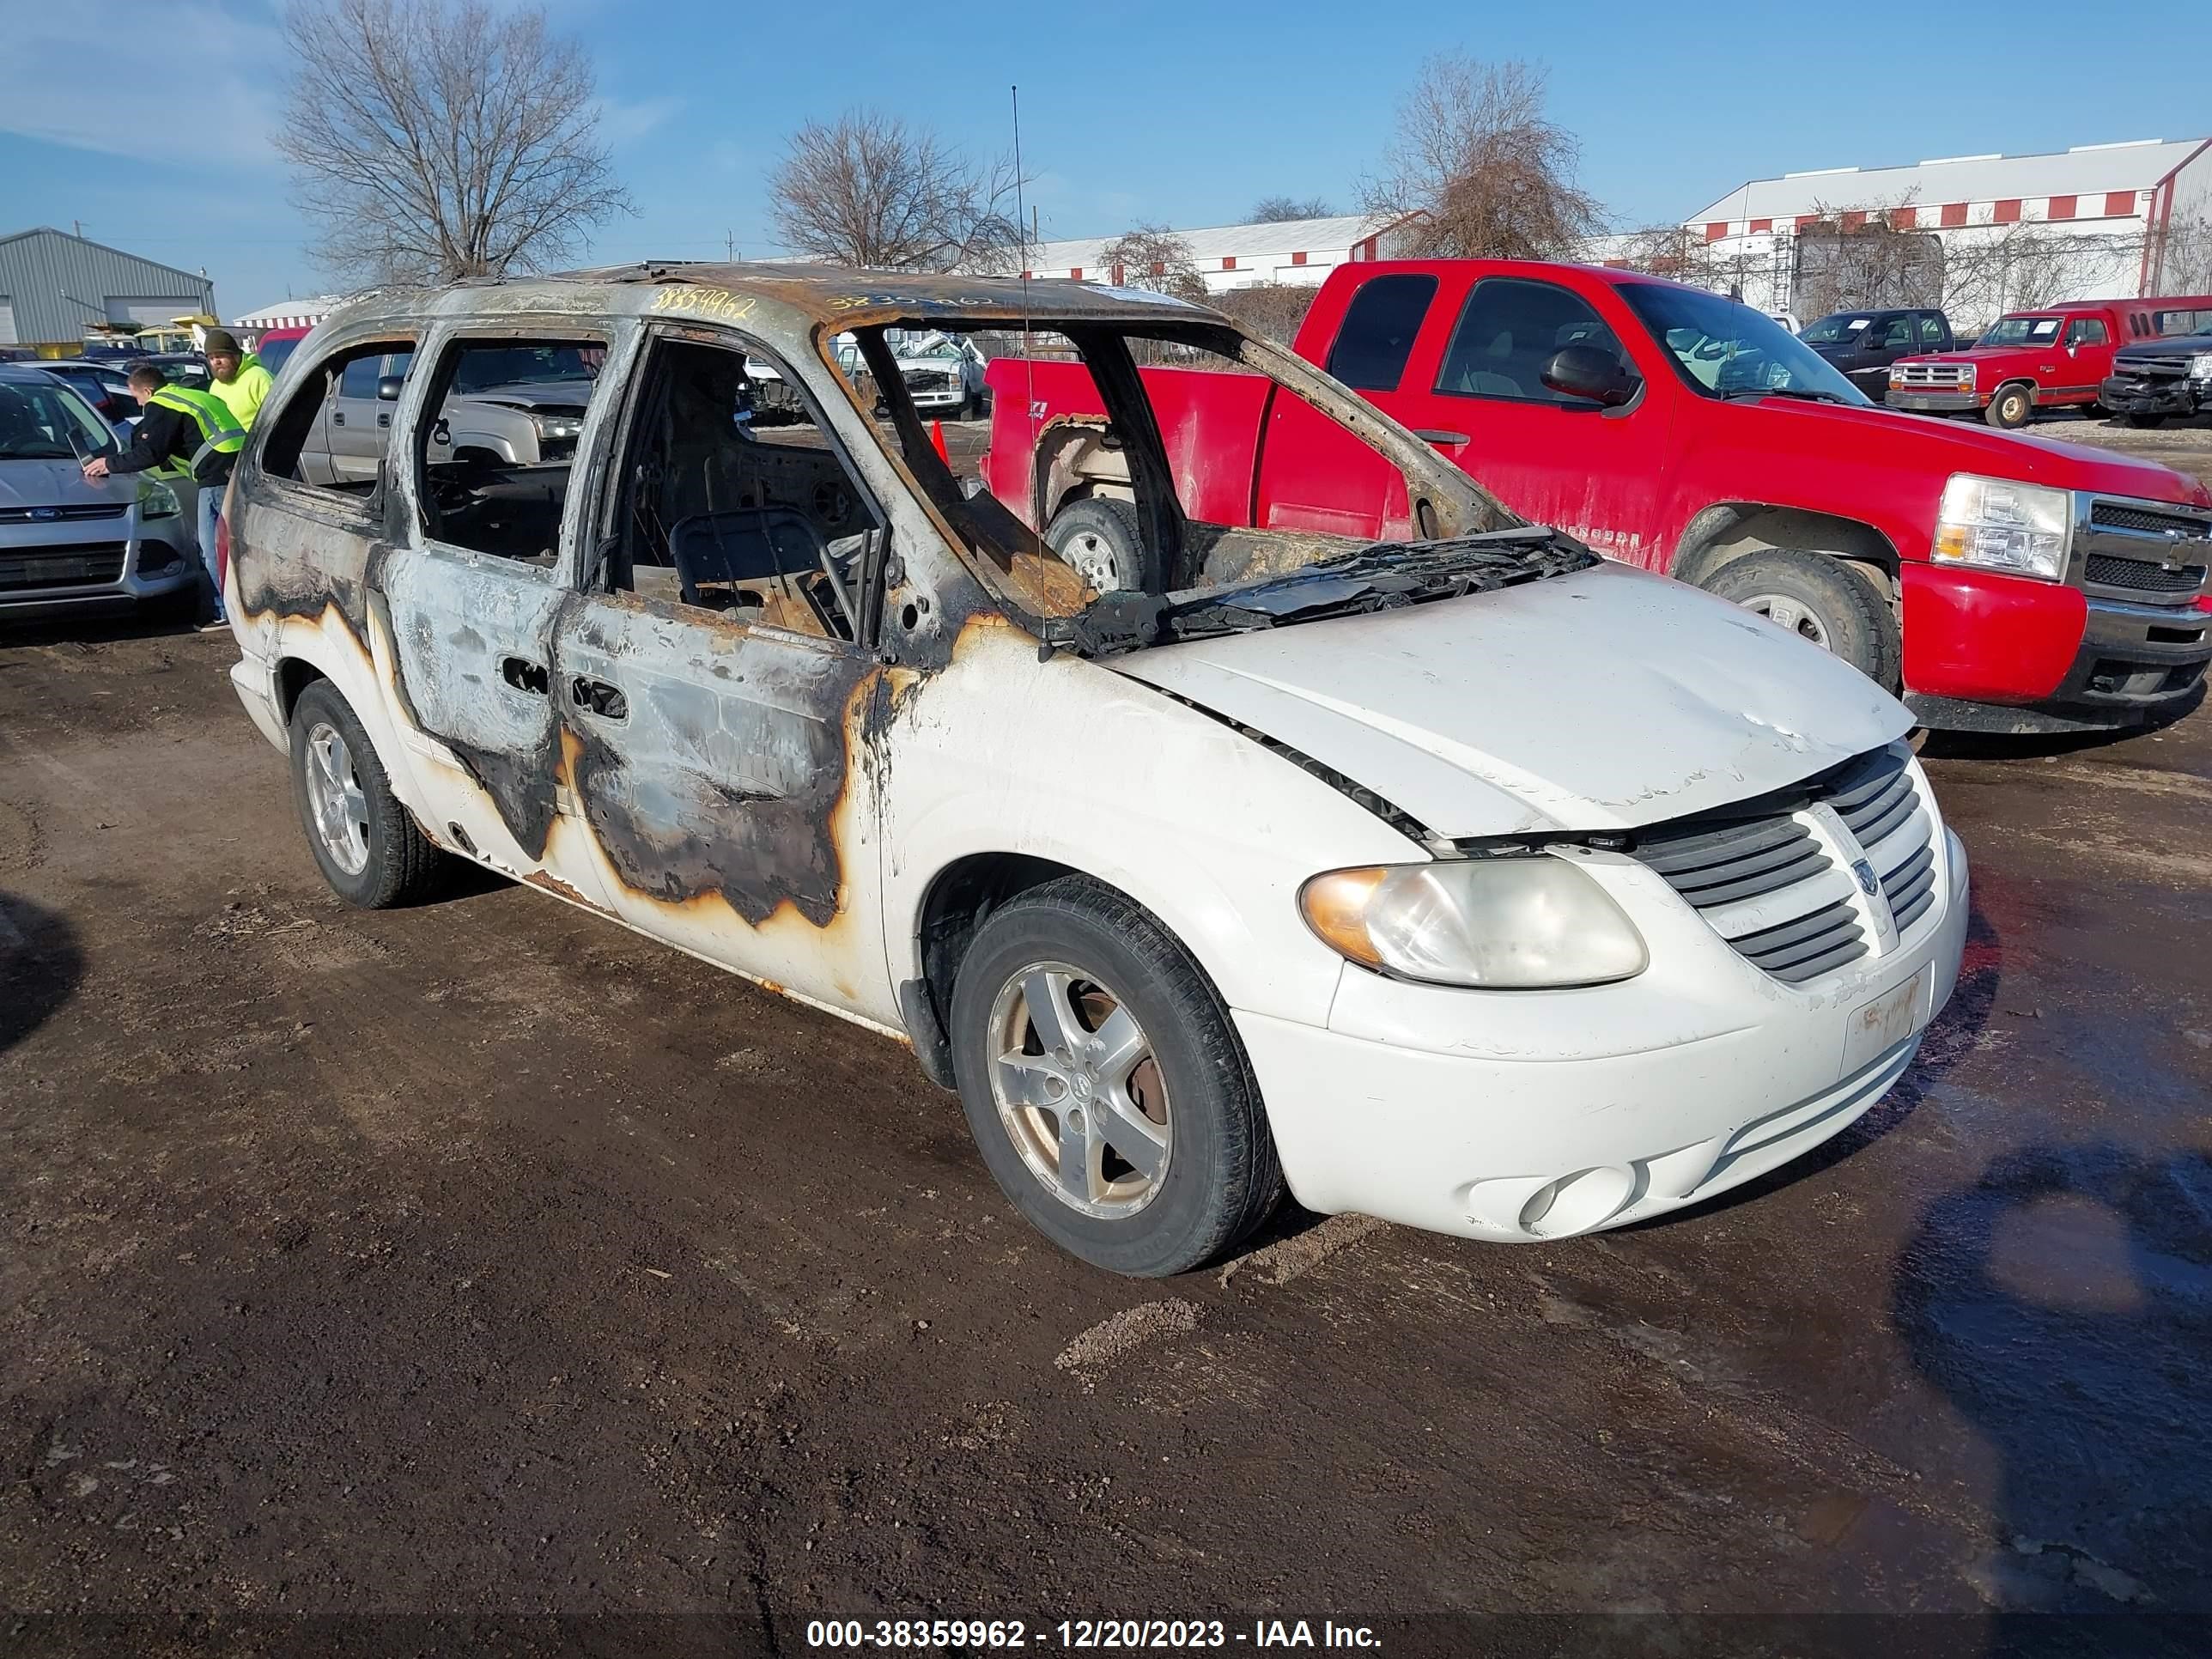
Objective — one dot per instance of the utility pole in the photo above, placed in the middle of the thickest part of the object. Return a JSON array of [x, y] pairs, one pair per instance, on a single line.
[[730, 244], [76, 228]]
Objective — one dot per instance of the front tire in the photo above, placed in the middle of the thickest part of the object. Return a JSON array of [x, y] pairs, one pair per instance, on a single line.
[[2142, 423], [1820, 599], [2013, 407], [365, 841], [1105, 1087], [1098, 537]]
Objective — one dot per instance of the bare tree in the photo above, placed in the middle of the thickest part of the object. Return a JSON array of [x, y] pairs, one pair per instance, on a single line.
[[1853, 258], [1281, 210], [1273, 311], [867, 190], [1491, 173], [2180, 256], [1155, 259], [437, 139]]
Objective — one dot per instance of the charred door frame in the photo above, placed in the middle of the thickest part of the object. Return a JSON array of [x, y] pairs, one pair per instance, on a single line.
[[472, 632], [730, 804]]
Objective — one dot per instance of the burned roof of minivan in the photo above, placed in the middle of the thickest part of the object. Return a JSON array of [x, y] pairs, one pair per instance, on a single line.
[[796, 297]]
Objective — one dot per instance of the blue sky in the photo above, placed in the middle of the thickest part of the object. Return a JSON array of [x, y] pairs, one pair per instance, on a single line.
[[1132, 110]]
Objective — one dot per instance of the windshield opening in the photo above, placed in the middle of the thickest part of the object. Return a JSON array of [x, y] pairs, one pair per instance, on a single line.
[[50, 422], [1723, 349], [1118, 506], [2023, 330]]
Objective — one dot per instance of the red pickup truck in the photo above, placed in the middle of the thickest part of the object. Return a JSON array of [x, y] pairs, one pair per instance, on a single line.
[[2000, 583], [2052, 358]]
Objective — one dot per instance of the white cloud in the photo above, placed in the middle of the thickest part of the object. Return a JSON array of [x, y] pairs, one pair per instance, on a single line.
[[622, 123], [229, 60]]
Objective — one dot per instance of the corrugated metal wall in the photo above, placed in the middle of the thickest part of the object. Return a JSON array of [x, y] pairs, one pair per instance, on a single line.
[[57, 283]]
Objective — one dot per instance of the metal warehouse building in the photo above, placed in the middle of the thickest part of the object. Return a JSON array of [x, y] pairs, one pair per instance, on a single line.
[[2099, 221], [52, 284]]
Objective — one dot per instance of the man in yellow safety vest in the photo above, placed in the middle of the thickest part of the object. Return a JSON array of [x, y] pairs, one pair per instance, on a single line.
[[240, 380], [190, 435]]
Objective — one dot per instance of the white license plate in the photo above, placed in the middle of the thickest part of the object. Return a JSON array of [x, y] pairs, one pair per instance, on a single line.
[[1877, 1026]]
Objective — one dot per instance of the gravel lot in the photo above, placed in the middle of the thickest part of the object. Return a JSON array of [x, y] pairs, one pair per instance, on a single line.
[[482, 1277]]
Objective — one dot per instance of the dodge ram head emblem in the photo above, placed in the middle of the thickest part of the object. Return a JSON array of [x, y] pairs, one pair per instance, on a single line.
[[1864, 872]]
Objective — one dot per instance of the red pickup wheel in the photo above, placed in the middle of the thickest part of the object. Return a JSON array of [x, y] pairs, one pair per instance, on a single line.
[[2013, 406], [1097, 535], [1822, 600]]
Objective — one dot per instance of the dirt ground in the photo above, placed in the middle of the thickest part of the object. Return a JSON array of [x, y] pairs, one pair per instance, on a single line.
[[480, 1277]]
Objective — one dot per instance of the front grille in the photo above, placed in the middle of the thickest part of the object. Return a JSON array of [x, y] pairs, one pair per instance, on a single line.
[[1765, 883], [2151, 366], [2111, 515], [2104, 570], [928, 380], [85, 566], [58, 514], [1946, 375]]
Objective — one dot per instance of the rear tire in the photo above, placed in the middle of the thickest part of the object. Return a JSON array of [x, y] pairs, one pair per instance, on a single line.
[[1097, 536], [367, 844], [1820, 599], [2013, 407], [1147, 1199]]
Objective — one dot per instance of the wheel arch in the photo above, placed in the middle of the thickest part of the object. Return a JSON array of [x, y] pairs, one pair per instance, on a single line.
[[1725, 532], [954, 905]]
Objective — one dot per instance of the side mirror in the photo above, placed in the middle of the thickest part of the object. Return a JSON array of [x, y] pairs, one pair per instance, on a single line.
[[388, 388], [1587, 371]]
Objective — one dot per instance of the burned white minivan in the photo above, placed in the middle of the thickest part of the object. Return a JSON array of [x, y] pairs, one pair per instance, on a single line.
[[1452, 875]]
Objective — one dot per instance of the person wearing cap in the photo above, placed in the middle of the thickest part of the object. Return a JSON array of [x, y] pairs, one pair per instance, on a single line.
[[182, 434], [240, 380]]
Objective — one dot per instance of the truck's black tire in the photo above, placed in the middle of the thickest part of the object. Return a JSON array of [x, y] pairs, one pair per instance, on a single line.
[[2013, 406], [1219, 1174], [401, 865], [1098, 536], [1822, 600], [2142, 421]]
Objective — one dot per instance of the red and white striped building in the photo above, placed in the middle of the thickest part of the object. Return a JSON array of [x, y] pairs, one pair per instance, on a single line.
[[2108, 203]]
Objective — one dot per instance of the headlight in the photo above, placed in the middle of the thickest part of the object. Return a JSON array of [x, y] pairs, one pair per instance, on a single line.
[[1501, 924], [156, 500], [550, 426], [2200, 366], [2022, 530]]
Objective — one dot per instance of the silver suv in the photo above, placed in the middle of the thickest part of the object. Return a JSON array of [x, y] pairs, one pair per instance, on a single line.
[[521, 406], [68, 544]]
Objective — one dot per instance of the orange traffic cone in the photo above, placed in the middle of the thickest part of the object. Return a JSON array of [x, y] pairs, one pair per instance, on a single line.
[[936, 440]]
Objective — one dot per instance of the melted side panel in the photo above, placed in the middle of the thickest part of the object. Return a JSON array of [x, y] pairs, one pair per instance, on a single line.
[[454, 624]]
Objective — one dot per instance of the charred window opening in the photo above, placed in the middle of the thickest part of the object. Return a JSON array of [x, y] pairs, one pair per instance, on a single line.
[[1133, 503], [733, 499], [332, 433], [496, 439]]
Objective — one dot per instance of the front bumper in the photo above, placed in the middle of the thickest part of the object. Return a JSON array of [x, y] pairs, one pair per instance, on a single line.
[[2179, 395], [84, 575], [1933, 403], [2138, 664], [1526, 1116]]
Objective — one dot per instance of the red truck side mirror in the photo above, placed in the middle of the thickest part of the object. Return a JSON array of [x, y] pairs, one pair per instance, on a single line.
[[1584, 371]]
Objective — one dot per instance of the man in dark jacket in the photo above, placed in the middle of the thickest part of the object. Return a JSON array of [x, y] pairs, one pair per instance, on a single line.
[[185, 433]]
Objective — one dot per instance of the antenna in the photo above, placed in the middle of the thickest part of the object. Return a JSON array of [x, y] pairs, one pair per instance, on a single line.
[[1021, 232]]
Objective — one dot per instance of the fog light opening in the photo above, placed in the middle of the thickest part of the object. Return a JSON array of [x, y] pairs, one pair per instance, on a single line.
[[1575, 1203]]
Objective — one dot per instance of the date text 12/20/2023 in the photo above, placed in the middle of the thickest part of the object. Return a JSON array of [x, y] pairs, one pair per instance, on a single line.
[[991, 1634]]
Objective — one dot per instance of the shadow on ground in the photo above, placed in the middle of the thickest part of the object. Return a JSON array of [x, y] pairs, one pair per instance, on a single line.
[[2062, 1305], [40, 965]]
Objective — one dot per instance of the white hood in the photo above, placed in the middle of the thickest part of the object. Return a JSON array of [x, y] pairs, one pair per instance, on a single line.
[[1604, 700]]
